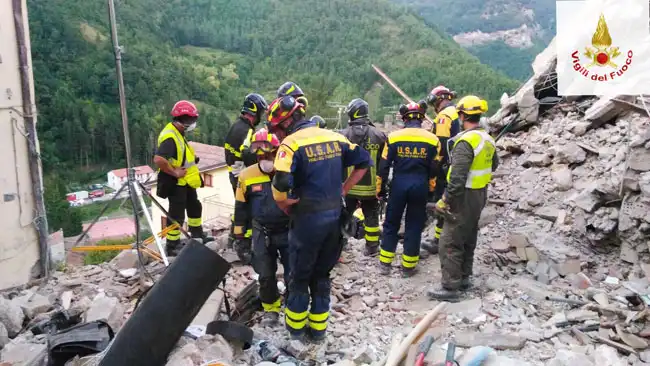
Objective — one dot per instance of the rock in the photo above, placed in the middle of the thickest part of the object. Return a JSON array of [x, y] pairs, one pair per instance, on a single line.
[[493, 340], [345, 363], [12, 316], [562, 177], [33, 304], [106, 308], [586, 200], [631, 339], [66, 299], [628, 253], [568, 154], [297, 348], [220, 349], [565, 357], [606, 355], [371, 301], [604, 110], [645, 356], [364, 355], [518, 240], [356, 304], [548, 213], [532, 254], [537, 160], [500, 246], [24, 354], [581, 315], [568, 266], [640, 160], [581, 281], [580, 128], [4, 336], [527, 105], [180, 356], [126, 259], [266, 363]]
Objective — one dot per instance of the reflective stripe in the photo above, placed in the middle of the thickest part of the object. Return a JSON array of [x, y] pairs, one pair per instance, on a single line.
[[194, 221], [173, 234], [438, 230], [371, 229], [245, 144], [318, 321], [386, 256], [249, 233], [232, 150], [295, 320], [295, 145], [371, 233], [185, 152], [371, 237], [410, 261], [257, 180], [484, 148], [274, 307], [412, 138]]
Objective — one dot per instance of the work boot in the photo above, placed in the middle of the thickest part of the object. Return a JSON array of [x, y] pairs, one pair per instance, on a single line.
[[408, 272], [371, 250], [431, 246], [270, 319], [384, 268], [316, 337], [466, 284], [424, 254], [444, 294], [173, 247], [198, 233]]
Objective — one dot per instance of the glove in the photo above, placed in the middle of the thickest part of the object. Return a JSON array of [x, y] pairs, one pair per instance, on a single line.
[[243, 249]]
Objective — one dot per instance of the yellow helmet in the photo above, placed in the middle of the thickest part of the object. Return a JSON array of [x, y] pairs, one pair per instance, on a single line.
[[472, 104]]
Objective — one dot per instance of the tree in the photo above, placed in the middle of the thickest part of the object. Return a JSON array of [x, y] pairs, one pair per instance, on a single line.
[[59, 213]]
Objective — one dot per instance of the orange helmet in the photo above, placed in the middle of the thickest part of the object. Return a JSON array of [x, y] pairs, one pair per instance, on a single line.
[[264, 142]]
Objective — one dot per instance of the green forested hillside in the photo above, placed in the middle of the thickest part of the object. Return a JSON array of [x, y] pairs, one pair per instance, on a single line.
[[214, 52], [460, 16]]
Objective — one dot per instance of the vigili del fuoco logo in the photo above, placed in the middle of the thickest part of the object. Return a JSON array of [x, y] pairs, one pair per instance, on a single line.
[[603, 58]]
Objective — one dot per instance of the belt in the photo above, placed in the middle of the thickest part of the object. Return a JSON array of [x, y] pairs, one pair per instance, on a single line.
[[306, 205]]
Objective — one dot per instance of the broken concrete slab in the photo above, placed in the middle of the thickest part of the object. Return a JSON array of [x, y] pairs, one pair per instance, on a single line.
[[493, 340], [563, 178], [518, 240], [606, 355], [4, 336], [628, 253], [12, 316], [106, 308], [210, 309], [548, 213], [565, 357], [126, 259], [24, 354], [581, 315], [568, 154], [537, 160], [568, 266], [33, 304], [631, 339], [586, 200], [605, 109]]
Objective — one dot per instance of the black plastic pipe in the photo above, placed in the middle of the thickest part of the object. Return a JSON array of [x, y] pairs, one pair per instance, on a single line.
[[157, 324]]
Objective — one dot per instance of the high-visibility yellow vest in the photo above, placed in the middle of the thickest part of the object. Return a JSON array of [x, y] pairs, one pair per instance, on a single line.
[[192, 177], [480, 172]]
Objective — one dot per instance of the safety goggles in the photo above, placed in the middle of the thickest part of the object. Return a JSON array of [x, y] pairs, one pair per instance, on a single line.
[[261, 147]]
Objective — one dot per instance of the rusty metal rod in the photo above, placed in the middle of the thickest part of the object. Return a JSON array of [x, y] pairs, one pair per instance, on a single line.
[[398, 90]]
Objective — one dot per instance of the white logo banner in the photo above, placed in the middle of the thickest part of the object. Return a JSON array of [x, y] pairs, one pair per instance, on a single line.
[[603, 47]]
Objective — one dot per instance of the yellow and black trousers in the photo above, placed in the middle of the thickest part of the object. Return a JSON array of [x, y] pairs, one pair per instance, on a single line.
[[370, 208], [407, 193], [184, 199]]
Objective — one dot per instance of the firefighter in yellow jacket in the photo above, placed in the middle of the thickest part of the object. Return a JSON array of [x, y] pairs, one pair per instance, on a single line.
[[178, 175], [445, 125], [473, 159]]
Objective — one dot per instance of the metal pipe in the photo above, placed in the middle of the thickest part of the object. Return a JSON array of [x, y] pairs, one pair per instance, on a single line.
[[397, 89], [32, 140], [566, 301], [120, 83], [138, 192]]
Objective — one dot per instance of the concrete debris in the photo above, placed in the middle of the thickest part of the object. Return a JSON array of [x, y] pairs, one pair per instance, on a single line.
[[4, 336], [605, 355], [108, 309], [33, 304], [27, 354], [12, 316], [496, 341]]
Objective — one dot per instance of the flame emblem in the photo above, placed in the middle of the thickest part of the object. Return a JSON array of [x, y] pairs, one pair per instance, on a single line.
[[602, 52]]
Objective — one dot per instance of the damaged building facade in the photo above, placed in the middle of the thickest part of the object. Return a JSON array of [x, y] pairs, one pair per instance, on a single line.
[[23, 223]]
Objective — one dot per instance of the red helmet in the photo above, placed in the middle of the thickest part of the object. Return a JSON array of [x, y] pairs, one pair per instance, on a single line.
[[438, 93], [413, 110], [184, 108], [264, 142], [282, 109]]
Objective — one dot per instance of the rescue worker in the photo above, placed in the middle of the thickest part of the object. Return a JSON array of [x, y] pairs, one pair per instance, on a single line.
[[291, 88], [414, 155], [178, 174], [473, 159], [445, 125], [362, 133], [238, 157], [254, 201], [307, 185], [320, 122]]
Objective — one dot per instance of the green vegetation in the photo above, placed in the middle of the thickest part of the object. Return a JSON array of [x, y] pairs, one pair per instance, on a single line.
[[59, 213], [513, 62], [103, 256], [214, 52]]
